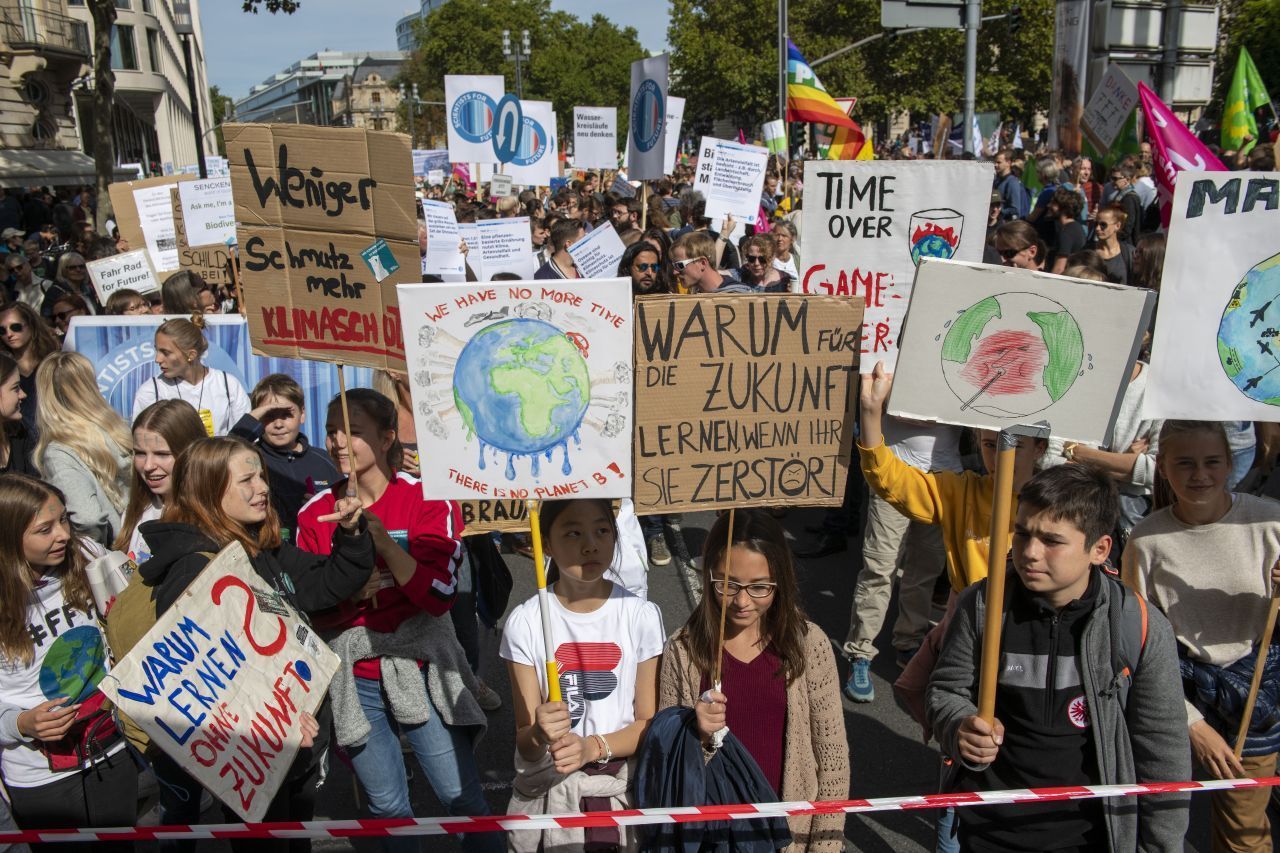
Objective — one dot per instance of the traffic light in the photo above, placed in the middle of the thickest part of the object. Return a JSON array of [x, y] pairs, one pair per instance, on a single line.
[[1015, 18]]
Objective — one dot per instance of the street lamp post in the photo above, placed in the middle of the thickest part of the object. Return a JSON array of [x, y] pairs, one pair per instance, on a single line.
[[184, 26], [517, 54], [411, 98]]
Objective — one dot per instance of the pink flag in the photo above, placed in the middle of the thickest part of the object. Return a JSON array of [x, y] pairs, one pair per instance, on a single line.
[[462, 171], [1173, 148]]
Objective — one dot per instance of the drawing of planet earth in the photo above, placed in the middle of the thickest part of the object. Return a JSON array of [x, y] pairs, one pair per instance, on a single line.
[[522, 388], [74, 664], [1247, 345], [1012, 355]]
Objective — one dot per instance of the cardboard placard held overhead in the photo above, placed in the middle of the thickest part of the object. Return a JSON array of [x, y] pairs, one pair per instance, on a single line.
[[992, 347], [212, 263], [327, 225], [1216, 352], [646, 136], [675, 122], [521, 389], [1109, 107], [597, 254], [126, 271], [731, 176], [144, 215], [744, 400], [595, 137]]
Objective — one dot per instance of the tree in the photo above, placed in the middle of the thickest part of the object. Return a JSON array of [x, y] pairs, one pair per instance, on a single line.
[[222, 105], [1254, 24]]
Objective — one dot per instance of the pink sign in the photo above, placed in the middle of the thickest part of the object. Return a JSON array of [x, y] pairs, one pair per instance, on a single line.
[[1173, 148]]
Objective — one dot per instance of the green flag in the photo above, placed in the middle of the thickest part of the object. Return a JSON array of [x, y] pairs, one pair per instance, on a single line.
[[1031, 178], [1246, 94]]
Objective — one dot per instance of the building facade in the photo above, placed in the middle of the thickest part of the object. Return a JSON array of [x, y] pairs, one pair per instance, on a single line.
[[42, 54], [405, 37], [366, 98], [304, 93]]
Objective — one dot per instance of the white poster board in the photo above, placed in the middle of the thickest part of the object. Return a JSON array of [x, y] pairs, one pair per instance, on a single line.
[[1109, 107], [731, 177], [597, 254], [646, 136], [470, 103], [130, 270], [505, 245], [155, 217], [992, 347], [208, 211], [220, 681], [443, 257], [675, 119], [595, 137], [522, 389], [537, 160], [868, 223], [1216, 352]]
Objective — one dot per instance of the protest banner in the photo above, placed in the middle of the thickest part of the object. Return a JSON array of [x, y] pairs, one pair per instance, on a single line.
[[993, 347], [506, 516], [221, 680], [537, 159], [744, 400], [129, 270], [144, 215], [647, 138], [522, 390], [595, 137], [597, 254], [500, 186], [443, 238], [775, 137], [621, 186], [212, 263], [208, 212], [1174, 148], [1110, 105], [428, 160], [325, 216], [470, 104], [675, 120], [867, 224], [731, 178], [435, 177], [1217, 345], [504, 246]]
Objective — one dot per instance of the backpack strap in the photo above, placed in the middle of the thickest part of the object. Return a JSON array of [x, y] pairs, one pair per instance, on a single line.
[[1127, 621]]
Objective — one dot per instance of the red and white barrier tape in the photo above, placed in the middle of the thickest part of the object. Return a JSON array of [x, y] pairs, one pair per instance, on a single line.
[[625, 817]]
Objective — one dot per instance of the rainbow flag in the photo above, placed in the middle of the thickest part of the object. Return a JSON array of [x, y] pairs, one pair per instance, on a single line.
[[807, 100], [843, 143]]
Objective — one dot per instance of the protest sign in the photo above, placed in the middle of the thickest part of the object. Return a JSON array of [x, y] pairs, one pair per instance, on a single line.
[[212, 263], [208, 211], [470, 234], [868, 223], [506, 516], [505, 245], [597, 254], [144, 215], [1109, 107], [536, 161], [221, 680], [675, 120], [992, 347], [521, 390], [216, 167], [744, 400], [470, 104], [731, 177], [1217, 345], [428, 160], [130, 270], [595, 137], [647, 138], [442, 239], [621, 186], [324, 216], [435, 177], [775, 137], [500, 186]]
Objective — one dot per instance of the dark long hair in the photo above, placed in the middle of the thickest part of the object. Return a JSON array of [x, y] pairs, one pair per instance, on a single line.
[[661, 281], [784, 623], [382, 413], [549, 511]]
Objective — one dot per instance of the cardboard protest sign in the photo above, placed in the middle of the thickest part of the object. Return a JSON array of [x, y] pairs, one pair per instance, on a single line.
[[325, 217], [647, 137], [521, 390], [130, 270], [744, 400], [144, 215], [597, 254], [992, 347], [442, 239], [1110, 105], [675, 120], [867, 224], [731, 177], [1216, 352], [220, 681], [208, 211], [505, 516], [212, 263], [470, 103], [537, 159], [595, 137]]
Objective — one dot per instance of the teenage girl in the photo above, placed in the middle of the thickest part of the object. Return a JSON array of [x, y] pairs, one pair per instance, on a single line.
[[607, 643], [1209, 561], [15, 440], [780, 691], [218, 398]]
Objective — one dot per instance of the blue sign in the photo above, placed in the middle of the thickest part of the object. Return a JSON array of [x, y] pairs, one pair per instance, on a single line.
[[648, 114], [533, 144], [508, 127]]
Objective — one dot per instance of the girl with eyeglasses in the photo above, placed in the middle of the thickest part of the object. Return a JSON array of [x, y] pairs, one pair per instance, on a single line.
[[25, 336], [779, 691]]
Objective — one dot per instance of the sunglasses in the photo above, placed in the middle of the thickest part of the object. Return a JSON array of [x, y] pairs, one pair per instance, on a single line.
[[753, 259], [680, 265], [75, 266], [16, 327], [649, 267], [1010, 254], [64, 315]]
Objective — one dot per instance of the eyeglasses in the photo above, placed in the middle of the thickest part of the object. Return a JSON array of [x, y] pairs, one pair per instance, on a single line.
[[755, 590], [753, 259], [648, 267], [1010, 254], [1102, 223], [16, 327], [680, 265], [75, 266], [64, 315]]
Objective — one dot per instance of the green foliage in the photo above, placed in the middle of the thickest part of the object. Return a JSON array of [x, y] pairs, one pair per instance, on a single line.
[[574, 62], [1254, 24], [221, 109]]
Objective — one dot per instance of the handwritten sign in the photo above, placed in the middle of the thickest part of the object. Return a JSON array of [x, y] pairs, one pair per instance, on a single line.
[[144, 215], [310, 203], [868, 224], [731, 177], [489, 516], [1109, 108], [212, 263], [595, 137], [221, 679], [744, 400], [130, 270], [521, 389], [597, 255], [208, 211]]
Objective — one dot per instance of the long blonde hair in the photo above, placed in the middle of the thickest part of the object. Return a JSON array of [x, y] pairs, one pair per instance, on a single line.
[[71, 411], [178, 424]]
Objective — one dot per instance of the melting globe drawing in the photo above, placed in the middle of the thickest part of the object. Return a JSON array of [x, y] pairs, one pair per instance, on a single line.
[[522, 388], [1012, 355], [1247, 345], [74, 664]]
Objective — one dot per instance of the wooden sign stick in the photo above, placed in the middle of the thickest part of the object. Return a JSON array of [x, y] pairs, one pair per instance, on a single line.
[[353, 490], [544, 604], [644, 210], [1001, 502], [1259, 665], [724, 603], [234, 261]]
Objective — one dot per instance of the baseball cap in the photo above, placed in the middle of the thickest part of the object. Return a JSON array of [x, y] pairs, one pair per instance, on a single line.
[[12, 232]]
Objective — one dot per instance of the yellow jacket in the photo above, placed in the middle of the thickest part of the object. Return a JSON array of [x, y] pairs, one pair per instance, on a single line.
[[959, 503]]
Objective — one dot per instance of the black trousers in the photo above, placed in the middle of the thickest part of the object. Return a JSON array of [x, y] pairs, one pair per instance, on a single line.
[[103, 795]]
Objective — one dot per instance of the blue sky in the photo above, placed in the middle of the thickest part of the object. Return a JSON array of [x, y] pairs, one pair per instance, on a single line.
[[243, 49]]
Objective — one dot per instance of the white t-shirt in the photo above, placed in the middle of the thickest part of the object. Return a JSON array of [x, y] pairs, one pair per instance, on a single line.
[[139, 550], [219, 394], [598, 654], [70, 659], [788, 266], [631, 562], [929, 447]]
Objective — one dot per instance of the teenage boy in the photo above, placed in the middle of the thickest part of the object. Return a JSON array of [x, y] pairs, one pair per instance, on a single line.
[[1088, 692], [296, 471]]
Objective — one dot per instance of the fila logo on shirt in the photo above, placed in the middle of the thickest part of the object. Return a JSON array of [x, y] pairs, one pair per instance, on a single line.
[[587, 674]]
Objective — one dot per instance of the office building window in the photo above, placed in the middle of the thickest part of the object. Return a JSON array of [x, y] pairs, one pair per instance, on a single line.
[[124, 4], [124, 54], [153, 50], [80, 37], [147, 7]]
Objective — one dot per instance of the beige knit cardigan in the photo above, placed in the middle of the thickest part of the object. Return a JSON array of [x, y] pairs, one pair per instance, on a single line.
[[815, 750]]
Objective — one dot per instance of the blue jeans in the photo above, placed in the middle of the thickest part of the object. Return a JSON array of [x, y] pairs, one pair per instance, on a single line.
[[948, 841], [443, 752]]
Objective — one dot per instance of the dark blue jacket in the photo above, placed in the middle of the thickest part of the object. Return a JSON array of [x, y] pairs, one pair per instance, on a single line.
[[294, 476]]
